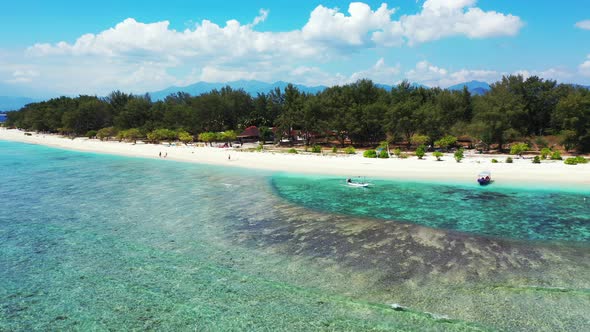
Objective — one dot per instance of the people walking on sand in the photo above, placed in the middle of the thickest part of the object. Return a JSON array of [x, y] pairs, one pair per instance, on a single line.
[[160, 154], [228, 157], [166, 155]]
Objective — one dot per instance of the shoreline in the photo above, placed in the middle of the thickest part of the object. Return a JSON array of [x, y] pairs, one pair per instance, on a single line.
[[520, 172]]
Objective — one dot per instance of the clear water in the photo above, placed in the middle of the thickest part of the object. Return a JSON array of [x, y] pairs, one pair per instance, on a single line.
[[98, 242], [500, 212]]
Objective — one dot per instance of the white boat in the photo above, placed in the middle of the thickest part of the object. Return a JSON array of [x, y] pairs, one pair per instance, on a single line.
[[356, 184]]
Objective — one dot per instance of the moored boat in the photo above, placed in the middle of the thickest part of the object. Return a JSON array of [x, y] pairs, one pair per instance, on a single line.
[[484, 178], [356, 184]]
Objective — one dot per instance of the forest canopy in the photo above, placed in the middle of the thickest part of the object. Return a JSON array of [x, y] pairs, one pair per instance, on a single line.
[[361, 113]]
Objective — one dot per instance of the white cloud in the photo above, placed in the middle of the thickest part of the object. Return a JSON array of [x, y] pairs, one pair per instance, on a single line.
[[445, 18], [585, 67], [135, 56], [23, 76], [583, 24], [379, 73], [433, 76]]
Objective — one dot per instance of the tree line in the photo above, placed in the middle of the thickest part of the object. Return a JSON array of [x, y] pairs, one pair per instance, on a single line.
[[515, 109]]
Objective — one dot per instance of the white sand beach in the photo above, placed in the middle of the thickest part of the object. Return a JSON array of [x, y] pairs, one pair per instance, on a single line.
[[522, 171]]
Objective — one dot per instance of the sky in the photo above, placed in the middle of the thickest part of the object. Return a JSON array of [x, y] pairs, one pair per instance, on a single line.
[[94, 47]]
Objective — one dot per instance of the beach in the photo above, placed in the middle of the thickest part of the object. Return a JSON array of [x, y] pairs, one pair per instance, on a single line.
[[520, 172]]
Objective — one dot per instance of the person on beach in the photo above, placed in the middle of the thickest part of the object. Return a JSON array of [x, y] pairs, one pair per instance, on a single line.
[[166, 155], [228, 157], [160, 154]]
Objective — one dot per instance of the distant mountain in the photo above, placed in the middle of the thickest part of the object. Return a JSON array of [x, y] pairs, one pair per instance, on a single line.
[[251, 87], [475, 87], [14, 103]]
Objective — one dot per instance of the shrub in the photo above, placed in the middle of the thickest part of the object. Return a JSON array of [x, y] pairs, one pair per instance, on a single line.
[[509, 160], [350, 150], [519, 148], [494, 161], [383, 154], [556, 156], [581, 160], [106, 133], [536, 160], [91, 133], [370, 154], [446, 142], [292, 150], [417, 139], [316, 149], [437, 154], [260, 147], [459, 155], [335, 149], [397, 152], [420, 151], [403, 155], [545, 152], [185, 137], [571, 161]]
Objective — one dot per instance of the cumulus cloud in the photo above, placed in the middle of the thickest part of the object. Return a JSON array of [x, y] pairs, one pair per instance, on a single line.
[[135, 55], [583, 24], [445, 18], [434, 76], [326, 29]]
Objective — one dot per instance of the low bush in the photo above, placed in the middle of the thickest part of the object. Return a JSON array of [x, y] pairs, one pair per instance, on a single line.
[[556, 156], [545, 153], [438, 155], [536, 160], [494, 161], [292, 150], [570, 161], [91, 134], [370, 154], [397, 152], [260, 147], [420, 151], [383, 154], [350, 150], [459, 155], [509, 160], [581, 160], [316, 149], [335, 150]]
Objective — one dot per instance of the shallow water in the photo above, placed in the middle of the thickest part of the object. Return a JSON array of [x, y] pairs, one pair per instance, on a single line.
[[98, 242], [492, 211]]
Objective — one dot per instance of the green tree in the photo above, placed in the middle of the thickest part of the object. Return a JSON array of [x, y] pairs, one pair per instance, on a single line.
[[459, 155], [207, 137], [185, 137], [438, 155], [518, 149], [446, 142], [420, 151]]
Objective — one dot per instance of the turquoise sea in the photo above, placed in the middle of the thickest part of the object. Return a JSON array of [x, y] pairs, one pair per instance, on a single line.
[[100, 242]]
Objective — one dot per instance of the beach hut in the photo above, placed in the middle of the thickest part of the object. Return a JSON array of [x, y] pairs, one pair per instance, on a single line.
[[250, 134]]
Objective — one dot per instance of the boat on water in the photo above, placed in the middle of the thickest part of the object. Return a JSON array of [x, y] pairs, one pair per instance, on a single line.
[[362, 184], [484, 178]]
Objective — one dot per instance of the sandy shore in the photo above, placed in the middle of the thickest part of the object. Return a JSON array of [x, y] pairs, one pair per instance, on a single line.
[[522, 171]]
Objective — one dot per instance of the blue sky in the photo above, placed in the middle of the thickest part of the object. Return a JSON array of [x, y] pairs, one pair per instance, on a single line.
[[55, 47]]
